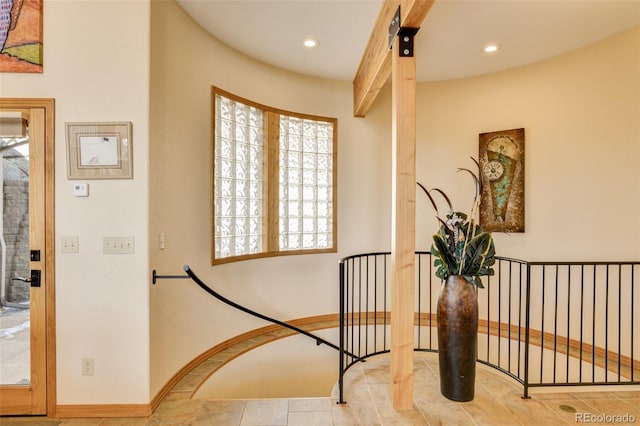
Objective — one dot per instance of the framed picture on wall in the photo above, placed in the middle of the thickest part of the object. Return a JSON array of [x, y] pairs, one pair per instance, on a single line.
[[501, 160], [21, 36], [99, 151]]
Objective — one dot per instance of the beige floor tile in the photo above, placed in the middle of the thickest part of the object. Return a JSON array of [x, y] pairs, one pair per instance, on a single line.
[[357, 395], [425, 375], [501, 390], [489, 413], [218, 419], [447, 415], [568, 408], [595, 395], [311, 404], [389, 416], [380, 393], [270, 412], [224, 406], [627, 394], [367, 414], [220, 413], [634, 403], [179, 407], [532, 412], [308, 418], [430, 395], [344, 414]]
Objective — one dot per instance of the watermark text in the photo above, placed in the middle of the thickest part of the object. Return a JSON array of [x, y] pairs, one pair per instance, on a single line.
[[605, 418]]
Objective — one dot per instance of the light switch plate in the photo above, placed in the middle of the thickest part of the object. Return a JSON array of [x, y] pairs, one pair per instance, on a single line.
[[118, 245], [69, 244]]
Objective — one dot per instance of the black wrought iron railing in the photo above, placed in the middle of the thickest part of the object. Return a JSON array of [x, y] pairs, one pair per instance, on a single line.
[[192, 275], [541, 323]]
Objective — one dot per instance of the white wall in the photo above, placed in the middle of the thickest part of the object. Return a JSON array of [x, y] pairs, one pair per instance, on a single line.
[[96, 67]]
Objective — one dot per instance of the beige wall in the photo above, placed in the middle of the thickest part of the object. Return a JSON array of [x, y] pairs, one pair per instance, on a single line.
[[185, 321], [581, 113], [96, 66]]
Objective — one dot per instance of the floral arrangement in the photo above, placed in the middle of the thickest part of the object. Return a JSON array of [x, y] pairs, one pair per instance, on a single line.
[[461, 246]]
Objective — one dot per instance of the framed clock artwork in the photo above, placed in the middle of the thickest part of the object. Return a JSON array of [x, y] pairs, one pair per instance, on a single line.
[[501, 159]]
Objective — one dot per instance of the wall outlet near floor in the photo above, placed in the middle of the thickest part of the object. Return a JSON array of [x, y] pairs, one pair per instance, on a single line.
[[118, 245], [87, 366]]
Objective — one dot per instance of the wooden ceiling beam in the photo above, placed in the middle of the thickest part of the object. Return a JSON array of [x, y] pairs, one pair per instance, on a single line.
[[375, 65]]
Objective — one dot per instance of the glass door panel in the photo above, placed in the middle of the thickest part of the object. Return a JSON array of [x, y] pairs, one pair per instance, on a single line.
[[15, 353], [23, 256]]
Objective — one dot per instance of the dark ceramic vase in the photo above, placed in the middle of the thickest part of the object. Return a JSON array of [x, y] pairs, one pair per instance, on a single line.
[[457, 338]]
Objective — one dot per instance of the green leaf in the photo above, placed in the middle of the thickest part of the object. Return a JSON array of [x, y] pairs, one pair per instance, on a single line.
[[477, 253], [449, 263]]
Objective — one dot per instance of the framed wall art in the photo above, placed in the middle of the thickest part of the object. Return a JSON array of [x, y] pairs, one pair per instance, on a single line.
[[501, 159], [21, 36], [99, 151]]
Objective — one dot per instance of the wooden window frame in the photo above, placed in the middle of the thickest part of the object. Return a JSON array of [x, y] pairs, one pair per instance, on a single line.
[[271, 177]]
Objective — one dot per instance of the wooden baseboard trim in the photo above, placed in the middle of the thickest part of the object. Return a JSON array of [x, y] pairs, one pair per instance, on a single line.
[[103, 410]]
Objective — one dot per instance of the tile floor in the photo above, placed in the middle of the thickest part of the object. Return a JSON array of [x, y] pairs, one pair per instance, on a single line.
[[497, 402]]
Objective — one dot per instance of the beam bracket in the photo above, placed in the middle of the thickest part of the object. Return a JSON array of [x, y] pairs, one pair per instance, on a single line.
[[406, 36], [406, 41], [394, 27]]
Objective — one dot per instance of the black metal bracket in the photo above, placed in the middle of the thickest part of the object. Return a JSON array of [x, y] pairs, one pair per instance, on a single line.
[[406, 41], [406, 35], [155, 277]]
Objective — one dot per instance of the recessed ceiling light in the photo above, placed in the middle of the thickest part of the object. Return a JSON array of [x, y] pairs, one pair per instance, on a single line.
[[491, 48], [309, 42]]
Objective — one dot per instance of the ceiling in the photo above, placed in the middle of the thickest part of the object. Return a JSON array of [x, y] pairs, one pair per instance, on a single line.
[[449, 44]]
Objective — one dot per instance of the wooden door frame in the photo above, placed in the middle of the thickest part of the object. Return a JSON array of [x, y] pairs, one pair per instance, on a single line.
[[48, 105]]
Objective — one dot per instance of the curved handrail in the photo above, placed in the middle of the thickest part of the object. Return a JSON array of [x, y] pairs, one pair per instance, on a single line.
[[205, 287]]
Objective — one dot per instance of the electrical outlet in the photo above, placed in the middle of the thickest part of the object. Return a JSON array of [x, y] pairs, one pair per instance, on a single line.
[[87, 366], [118, 245], [70, 244]]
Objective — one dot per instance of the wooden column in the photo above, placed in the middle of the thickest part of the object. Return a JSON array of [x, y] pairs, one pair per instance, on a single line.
[[403, 77], [375, 67]]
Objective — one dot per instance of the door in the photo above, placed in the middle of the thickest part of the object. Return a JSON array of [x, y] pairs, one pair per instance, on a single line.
[[27, 367]]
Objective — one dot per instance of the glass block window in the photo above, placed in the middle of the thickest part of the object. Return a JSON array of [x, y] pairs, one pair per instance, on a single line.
[[238, 182], [273, 181], [306, 171]]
